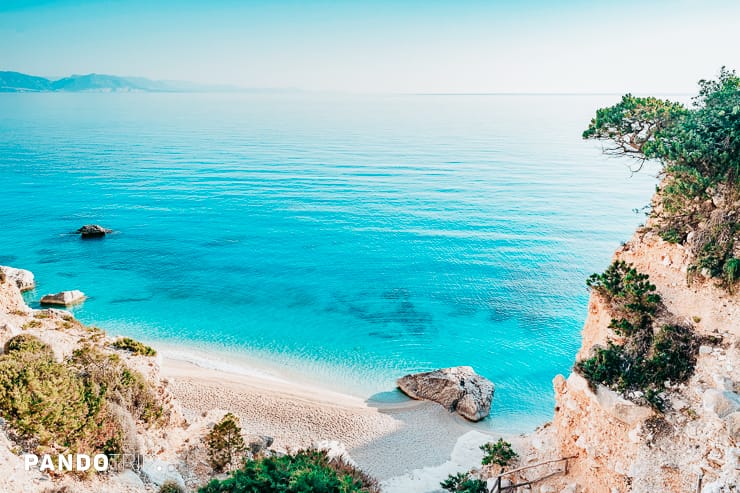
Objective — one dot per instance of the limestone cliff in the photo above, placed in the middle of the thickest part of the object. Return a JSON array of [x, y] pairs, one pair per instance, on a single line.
[[160, 446], [619, 446]]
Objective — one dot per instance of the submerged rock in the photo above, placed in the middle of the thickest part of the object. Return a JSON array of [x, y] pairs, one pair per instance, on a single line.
[[21, 277], [93, 231], [459, 389], [64, 298]]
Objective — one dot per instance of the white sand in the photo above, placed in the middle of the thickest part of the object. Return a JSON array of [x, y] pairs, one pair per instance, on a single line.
[[385, 440]]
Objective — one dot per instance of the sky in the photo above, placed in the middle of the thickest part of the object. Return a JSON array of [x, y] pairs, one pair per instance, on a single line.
[[431, 46]]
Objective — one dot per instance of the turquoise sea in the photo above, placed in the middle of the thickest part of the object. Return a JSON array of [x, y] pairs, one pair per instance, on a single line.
[[349, 239]]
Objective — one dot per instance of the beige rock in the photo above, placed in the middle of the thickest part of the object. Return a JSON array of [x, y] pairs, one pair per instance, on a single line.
[[458, 389], [7, 331], [721, 402], [65, 298], [733, 425], [21, 277]]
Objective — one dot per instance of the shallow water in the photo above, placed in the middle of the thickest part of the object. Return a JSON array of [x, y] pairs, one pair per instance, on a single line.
[[351, 239]]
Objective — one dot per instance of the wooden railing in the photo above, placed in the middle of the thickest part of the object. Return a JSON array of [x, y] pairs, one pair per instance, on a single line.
[[499, 488]]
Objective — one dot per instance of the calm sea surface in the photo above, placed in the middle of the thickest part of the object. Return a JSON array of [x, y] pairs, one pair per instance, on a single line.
[[351, 239]]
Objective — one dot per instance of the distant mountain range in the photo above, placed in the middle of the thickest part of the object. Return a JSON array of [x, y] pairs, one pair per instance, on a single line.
[[18, 82]]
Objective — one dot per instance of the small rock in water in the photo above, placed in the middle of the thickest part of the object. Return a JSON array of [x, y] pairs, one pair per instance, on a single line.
[[64, 298], [458, 389], [93, 231]]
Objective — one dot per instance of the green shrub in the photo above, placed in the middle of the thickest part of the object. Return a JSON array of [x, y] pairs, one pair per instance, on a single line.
[[136, 347], [225, 444], [306, 471], [108, 375], [731, 272], [698, 148], [463, 483], [629, 292], [170, 486], [77, 405], [43, 401], [25, 343], [499, 453], [646, 359], [31, 324]]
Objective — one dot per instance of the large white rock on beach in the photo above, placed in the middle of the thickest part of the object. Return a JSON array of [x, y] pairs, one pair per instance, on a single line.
[[458, 389], [64, 298], [21, 277]]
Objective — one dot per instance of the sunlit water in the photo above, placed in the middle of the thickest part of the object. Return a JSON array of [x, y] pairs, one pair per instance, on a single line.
[[349, 239]]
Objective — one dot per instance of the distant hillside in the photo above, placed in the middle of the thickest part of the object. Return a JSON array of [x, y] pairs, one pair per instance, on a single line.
[[18, 82]]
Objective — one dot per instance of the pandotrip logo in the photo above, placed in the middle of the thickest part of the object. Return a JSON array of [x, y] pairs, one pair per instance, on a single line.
[[100, 463]]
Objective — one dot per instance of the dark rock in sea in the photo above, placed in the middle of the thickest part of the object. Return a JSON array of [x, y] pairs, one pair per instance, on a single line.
[[458, 389], [93, 231]]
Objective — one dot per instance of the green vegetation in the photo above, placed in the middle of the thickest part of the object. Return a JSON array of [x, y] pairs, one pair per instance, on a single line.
[[307, 471], [699, 149], [499, 453], [225, 444], [78, 405], [43, 401], [170, 486], [136, 347], [31, 324], [630, 295], [647, 358], [464, 483]]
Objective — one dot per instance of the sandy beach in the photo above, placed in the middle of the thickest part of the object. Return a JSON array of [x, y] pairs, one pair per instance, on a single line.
[[386, 440]]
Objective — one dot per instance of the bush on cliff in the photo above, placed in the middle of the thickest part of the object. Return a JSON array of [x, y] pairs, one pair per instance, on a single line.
[[77, 405], [646, 357], [225, 444], [43, 401], [499, 453], [136, 347], [699, 149], [464, 483], [307, 471]]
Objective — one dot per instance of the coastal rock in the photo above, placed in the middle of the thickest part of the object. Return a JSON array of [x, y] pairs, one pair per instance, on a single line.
[[158, 472], [458, 389], [334, 450], [611, 402], [65, 298], [259, 443], [7, 331], [721, 403], [733, 425], [93, 231], [21, 277]]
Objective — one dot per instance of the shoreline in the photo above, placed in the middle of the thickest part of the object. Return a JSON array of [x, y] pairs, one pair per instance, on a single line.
[[422, 435]]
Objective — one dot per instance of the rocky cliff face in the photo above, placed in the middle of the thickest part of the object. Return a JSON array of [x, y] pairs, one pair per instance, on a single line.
[[161, 445], [619, 446]]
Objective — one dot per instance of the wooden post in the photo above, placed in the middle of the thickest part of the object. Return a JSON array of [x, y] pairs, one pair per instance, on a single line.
[[700, 476]]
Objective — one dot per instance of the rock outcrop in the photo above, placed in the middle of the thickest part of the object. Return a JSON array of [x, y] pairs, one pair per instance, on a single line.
[[22, 278], [64, 298], [459, 389], [93, 231], [621, 447]]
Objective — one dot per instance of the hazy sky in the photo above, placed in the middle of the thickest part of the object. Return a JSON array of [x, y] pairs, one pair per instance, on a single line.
[[382, 46]]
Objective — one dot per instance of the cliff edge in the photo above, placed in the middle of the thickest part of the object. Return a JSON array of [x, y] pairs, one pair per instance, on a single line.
[[619, 446]]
